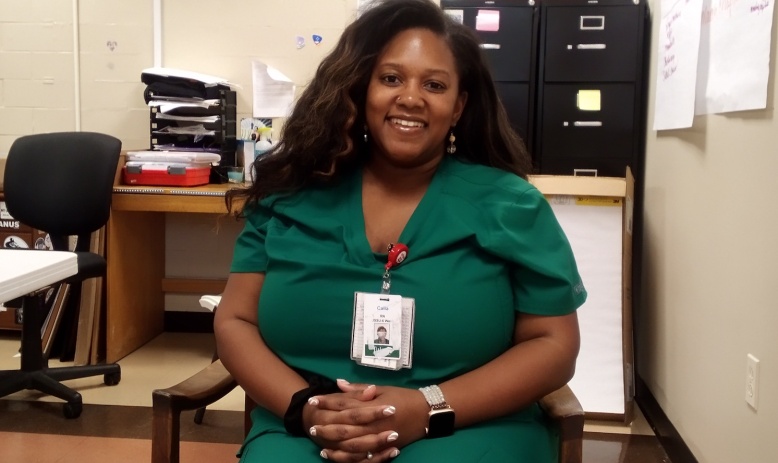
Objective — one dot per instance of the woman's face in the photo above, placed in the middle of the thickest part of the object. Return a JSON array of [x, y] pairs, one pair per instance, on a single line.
[[413, 99]]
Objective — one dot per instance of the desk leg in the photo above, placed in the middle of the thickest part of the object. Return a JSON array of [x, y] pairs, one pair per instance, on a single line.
[[135, 307]]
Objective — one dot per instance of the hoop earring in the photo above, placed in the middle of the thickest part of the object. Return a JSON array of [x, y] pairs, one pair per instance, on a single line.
[[452, 148]]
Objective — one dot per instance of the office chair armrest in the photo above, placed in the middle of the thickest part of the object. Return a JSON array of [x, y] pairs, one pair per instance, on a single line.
[[203, 388], [564, 409]]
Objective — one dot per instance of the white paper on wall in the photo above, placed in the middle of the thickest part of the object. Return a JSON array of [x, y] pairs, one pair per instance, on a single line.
[[676, 75], [734, 61], [273, 91]]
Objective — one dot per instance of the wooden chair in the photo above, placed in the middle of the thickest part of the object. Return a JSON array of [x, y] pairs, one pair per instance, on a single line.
[[214, 382]]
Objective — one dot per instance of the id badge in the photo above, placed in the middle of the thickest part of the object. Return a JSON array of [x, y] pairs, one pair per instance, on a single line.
[[382, 332], [382, 317]]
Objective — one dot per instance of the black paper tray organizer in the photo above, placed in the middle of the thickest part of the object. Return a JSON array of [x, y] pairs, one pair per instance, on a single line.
[[196, 124]]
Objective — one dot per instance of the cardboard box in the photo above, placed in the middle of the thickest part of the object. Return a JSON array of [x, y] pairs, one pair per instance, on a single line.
[[8, 224], [596, 214], [33, 239], [14, 234]]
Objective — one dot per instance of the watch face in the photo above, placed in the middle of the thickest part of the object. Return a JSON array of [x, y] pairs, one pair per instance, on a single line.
[[441, 423]]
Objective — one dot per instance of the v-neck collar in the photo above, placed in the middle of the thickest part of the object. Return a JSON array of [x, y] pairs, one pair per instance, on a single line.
[[359, 247]]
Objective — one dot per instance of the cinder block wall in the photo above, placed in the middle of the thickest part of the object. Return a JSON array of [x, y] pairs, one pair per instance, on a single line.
[[57, 77]]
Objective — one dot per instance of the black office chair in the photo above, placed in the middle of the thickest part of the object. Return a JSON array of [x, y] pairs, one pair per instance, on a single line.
[[60, 183]]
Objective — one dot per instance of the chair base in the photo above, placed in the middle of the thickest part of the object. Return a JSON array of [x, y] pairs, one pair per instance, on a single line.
[[47, 381], [35, 373]]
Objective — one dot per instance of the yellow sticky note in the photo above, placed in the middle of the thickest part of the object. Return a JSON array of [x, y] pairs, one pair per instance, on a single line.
[[589, 100]]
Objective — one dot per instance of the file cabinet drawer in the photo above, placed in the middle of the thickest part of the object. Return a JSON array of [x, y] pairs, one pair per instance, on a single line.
[[508, 48], [588, 120], [591, 43], [515, 99], [599, 166]]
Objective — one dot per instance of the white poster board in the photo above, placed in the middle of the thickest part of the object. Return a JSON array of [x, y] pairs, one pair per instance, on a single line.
[[595, 235], [596, 215]]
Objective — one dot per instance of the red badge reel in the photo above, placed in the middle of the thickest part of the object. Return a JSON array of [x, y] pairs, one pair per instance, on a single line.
[[397, 255]]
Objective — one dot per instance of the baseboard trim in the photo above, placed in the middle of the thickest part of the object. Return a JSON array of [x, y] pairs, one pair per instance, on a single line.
[[188, 322], [665, 432]]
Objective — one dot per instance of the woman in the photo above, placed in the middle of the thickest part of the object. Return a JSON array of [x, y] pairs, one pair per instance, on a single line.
[[399, 140], [381, 333]]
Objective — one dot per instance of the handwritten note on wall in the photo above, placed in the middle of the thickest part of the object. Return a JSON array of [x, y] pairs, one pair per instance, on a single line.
[[713, 57], [734, 55], [679, 39]]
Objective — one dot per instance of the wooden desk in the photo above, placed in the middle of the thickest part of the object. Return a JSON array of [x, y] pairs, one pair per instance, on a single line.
[[135, 251]]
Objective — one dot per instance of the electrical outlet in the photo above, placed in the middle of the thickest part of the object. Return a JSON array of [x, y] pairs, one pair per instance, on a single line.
[[752, 380]]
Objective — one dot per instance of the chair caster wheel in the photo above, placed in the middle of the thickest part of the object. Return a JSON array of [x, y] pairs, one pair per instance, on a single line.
[[112, 379], [72, 409]]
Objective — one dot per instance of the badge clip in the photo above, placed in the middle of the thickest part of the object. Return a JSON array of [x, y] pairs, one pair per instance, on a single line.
[[397, 253]]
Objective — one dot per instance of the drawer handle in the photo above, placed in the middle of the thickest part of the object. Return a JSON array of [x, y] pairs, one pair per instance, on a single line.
[[585, 172], [490, 46], [587, 123], [590, 46], [592, 23]]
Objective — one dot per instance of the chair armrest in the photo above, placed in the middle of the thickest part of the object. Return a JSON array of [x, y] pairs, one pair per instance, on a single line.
[[203, 388], [564, 409]]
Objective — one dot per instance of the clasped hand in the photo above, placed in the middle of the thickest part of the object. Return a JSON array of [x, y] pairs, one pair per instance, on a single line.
[[365, 422]]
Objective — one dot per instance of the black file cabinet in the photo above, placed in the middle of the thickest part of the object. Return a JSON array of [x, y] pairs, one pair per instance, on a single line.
[[508, 33], [591, 87]]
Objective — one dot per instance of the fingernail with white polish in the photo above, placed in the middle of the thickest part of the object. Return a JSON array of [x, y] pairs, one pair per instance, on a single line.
[[340, 380], [389, 411], [392, 437], [393, 454], [312, 431], [323, 454], [313, 401]]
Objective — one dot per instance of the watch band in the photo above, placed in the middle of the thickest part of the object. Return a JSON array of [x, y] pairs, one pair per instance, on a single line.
[[441, 417], [434, 397]]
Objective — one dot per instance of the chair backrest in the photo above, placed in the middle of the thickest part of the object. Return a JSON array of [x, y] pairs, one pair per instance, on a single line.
[[62, 183]]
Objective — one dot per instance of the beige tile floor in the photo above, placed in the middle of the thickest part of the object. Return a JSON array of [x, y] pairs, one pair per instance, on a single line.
[[163, 362], [173, 357]]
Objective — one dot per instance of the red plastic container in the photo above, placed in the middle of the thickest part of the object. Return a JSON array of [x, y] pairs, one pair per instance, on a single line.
[[170, 176]]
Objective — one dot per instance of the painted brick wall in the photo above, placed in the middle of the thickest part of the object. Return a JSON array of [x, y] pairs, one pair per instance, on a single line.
[[39, 87]]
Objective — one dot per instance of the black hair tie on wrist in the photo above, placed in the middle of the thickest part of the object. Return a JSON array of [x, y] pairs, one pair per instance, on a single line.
[[317, 385]]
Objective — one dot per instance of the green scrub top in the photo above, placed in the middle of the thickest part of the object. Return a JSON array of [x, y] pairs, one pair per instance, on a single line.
[[483, 244]]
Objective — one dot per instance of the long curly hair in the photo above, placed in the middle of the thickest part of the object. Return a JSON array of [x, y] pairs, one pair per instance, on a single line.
[[323, 138]]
